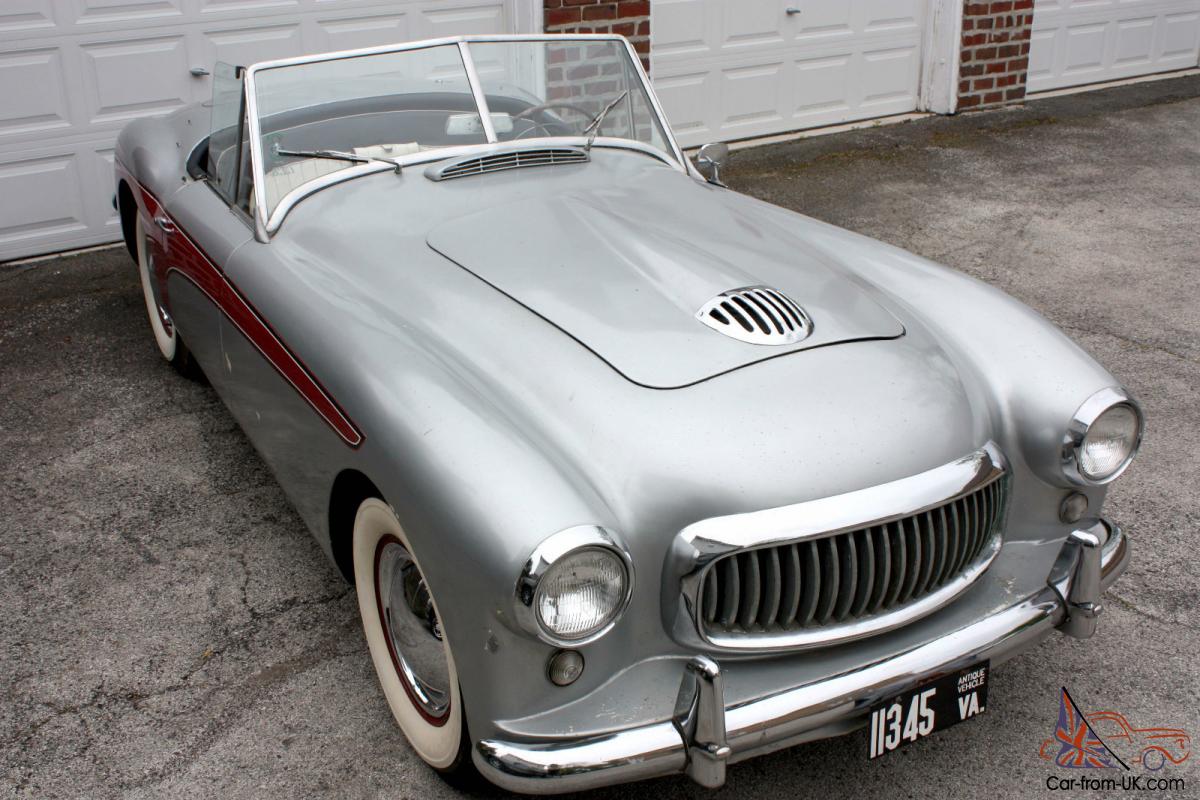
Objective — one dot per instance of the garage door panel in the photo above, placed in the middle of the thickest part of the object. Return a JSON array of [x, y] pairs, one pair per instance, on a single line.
[[824, 18], [481, 18], [1135, 41], [1075, 43], [890, 15], [135, 78], [98, 12], [213, 7], [36, 97], [688, 95], [890, 79], [1084, 49], [1181, 37], [26, 16], [750, 23], [40, 197], [753, 95], [367, 31], [680, 28], [242, 46], [822, 88]]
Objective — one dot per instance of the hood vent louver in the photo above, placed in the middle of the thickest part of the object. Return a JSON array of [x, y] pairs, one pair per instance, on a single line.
[[504, 160], [757, 315]]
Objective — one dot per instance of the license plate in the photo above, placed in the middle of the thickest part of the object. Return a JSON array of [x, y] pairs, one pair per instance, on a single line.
[[930, 707]]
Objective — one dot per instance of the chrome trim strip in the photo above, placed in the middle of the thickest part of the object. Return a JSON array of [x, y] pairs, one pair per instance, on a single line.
[[485, 113], [816, 710], [269, 224], [1077, 429], [698, 546], [658, 109]]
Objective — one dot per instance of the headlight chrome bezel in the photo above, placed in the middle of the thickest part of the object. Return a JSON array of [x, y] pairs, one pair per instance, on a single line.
[[552, 549], [1082, 421]]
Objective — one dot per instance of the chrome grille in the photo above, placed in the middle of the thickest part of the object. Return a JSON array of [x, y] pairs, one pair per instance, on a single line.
[[511, 159], [854, 575], [756, 314]]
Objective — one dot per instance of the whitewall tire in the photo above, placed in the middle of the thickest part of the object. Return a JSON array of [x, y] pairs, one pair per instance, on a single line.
[[164, 331], [408, 647]]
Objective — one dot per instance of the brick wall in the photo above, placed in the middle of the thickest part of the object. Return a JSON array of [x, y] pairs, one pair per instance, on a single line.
[[995, 52], [629, 18]]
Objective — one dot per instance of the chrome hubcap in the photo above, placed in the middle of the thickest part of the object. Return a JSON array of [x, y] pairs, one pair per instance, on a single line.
[[412, 628]]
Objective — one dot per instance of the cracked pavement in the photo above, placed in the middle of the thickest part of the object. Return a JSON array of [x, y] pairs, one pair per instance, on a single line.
[[170, 630]]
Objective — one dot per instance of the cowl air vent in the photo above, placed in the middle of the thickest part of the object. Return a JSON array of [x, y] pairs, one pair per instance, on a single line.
[[758, 315], [510, 159]]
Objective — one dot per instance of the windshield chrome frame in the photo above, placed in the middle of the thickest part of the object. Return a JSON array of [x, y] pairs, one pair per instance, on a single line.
[[268, 223]]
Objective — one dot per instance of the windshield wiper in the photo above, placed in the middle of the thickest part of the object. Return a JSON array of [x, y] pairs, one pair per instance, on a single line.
[[336, 155], [593, 127]]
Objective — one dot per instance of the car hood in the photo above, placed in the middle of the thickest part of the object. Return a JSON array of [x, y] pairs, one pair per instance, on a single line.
[[624, 272]]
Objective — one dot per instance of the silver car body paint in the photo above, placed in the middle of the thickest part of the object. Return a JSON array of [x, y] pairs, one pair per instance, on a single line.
[[520, 353]]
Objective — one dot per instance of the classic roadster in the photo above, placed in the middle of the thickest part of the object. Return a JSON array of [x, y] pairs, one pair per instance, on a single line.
[[634, 475]]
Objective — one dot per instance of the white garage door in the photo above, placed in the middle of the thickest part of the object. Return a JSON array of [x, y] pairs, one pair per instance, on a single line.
[[1085, 41], [729, 70], [73, 72]]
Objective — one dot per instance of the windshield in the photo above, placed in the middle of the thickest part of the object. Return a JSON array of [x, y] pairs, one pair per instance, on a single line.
[[324, 115]]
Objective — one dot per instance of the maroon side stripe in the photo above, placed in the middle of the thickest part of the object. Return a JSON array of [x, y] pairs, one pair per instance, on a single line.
[[184, 257]]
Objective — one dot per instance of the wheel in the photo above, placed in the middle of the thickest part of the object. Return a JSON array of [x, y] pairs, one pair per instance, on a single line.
[[1153, 759], [170, 344], [408, 644]]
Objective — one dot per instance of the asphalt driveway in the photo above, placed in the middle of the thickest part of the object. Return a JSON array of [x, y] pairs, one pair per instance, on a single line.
[[168, 629]]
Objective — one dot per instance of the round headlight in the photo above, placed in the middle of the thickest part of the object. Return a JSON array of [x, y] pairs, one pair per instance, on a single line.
[[581, 593], [1103, 437], [1109, 443], [574, 586]]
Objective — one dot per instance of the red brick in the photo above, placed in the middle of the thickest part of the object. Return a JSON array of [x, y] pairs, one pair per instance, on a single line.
[[633, 8], [1015, 93], [964, 87], [995, 67], [983, 83], [993, 97], [968, 101], [975, 9], [972, 39], [1000, 8], [625, 28], [562, 16], [644, 28], [608, 11], [985, 53], [580, 2]]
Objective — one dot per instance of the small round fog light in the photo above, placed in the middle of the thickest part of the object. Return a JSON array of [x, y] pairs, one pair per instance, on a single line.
[[565, 667], [1073, 507]]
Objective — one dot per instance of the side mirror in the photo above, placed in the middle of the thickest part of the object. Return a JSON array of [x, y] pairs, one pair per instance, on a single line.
[[711, 159]]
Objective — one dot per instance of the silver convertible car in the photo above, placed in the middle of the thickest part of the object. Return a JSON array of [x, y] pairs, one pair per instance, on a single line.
[[635, 475]]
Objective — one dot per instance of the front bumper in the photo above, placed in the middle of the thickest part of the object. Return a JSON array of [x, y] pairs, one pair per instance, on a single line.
[[704, 734]]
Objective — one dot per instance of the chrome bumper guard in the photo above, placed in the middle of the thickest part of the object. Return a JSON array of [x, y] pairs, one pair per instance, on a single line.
[[704, 734]]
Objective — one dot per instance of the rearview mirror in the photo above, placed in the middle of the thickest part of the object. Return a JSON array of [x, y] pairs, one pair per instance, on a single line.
[[711, 159]]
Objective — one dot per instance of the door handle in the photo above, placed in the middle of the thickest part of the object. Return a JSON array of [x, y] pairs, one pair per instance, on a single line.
[[198, 72], [167, 226], [791, 11]]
